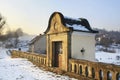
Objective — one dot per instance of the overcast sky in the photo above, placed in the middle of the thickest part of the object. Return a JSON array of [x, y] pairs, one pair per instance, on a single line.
[[33, 15]]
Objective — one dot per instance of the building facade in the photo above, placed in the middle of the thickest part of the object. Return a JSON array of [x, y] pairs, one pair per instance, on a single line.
[[70, 46], [38, 44], [68, 38]]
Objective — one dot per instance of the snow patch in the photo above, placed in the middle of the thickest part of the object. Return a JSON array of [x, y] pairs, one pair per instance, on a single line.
[[76, 19], [77, 27]]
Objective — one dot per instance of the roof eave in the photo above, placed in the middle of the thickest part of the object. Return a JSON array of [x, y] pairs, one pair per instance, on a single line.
[[86, 31]]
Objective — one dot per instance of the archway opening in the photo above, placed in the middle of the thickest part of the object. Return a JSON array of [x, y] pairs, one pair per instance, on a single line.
[[70, 67], [86, 71], [101, 75], [93, 73], [109, 75], [80, 70], [75, 68], [118, 76]]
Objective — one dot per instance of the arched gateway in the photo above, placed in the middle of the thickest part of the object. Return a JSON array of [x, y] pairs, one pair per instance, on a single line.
[[68, 38]]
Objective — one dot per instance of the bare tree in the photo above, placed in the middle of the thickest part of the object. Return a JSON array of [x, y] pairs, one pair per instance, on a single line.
[[18, 33], [105, 42], [2, 23]]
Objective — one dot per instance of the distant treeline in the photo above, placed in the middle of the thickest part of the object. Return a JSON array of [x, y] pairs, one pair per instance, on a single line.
[[11, 34], [105, 37]]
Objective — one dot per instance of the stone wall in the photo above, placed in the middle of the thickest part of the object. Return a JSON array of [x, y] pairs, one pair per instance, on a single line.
[[88, 69], [95, 70], [37, 59]]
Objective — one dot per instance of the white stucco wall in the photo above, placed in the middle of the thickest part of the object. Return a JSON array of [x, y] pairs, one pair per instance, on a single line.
[[84, 40], [40, 45]]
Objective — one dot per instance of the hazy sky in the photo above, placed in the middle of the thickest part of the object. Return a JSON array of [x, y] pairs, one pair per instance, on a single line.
[[33, 15]]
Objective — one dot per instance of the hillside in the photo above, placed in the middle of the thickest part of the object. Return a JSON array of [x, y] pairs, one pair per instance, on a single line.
[[110, 36]]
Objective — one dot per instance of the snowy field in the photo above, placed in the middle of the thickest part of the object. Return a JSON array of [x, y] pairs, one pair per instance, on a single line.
[[106, 57], [22, 69]]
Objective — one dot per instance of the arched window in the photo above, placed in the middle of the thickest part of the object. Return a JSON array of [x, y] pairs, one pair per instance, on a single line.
[[109, 76], [81, 70], [101, 75], [86, 71], [93, 73], [118, 76]]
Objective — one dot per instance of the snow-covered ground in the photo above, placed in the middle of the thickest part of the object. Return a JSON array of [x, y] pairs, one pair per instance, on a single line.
[[107, 57], [22, 69]]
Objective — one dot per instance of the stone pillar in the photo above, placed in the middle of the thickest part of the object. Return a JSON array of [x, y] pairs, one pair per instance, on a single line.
[[32, 48], [83, 70], [104, 75], [97, 74], [114, 75], [77, 68], [72, 67], [43, 61], [48, 62], [89, 71]]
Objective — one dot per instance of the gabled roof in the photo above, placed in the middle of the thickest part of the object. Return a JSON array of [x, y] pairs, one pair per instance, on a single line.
[[35, 39], [80, 24]]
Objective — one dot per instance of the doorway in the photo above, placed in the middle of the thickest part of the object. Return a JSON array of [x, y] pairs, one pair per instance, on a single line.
[[57, 54]]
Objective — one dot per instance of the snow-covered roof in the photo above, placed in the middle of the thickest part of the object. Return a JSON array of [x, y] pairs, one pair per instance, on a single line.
[[77, 27], [74, 24], [78, 24]]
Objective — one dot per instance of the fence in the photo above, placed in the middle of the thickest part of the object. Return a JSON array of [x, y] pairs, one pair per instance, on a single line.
[[95, 70], [37, 59]]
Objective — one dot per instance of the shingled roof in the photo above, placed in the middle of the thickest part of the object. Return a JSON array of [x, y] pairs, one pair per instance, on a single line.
[[80, 24]]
